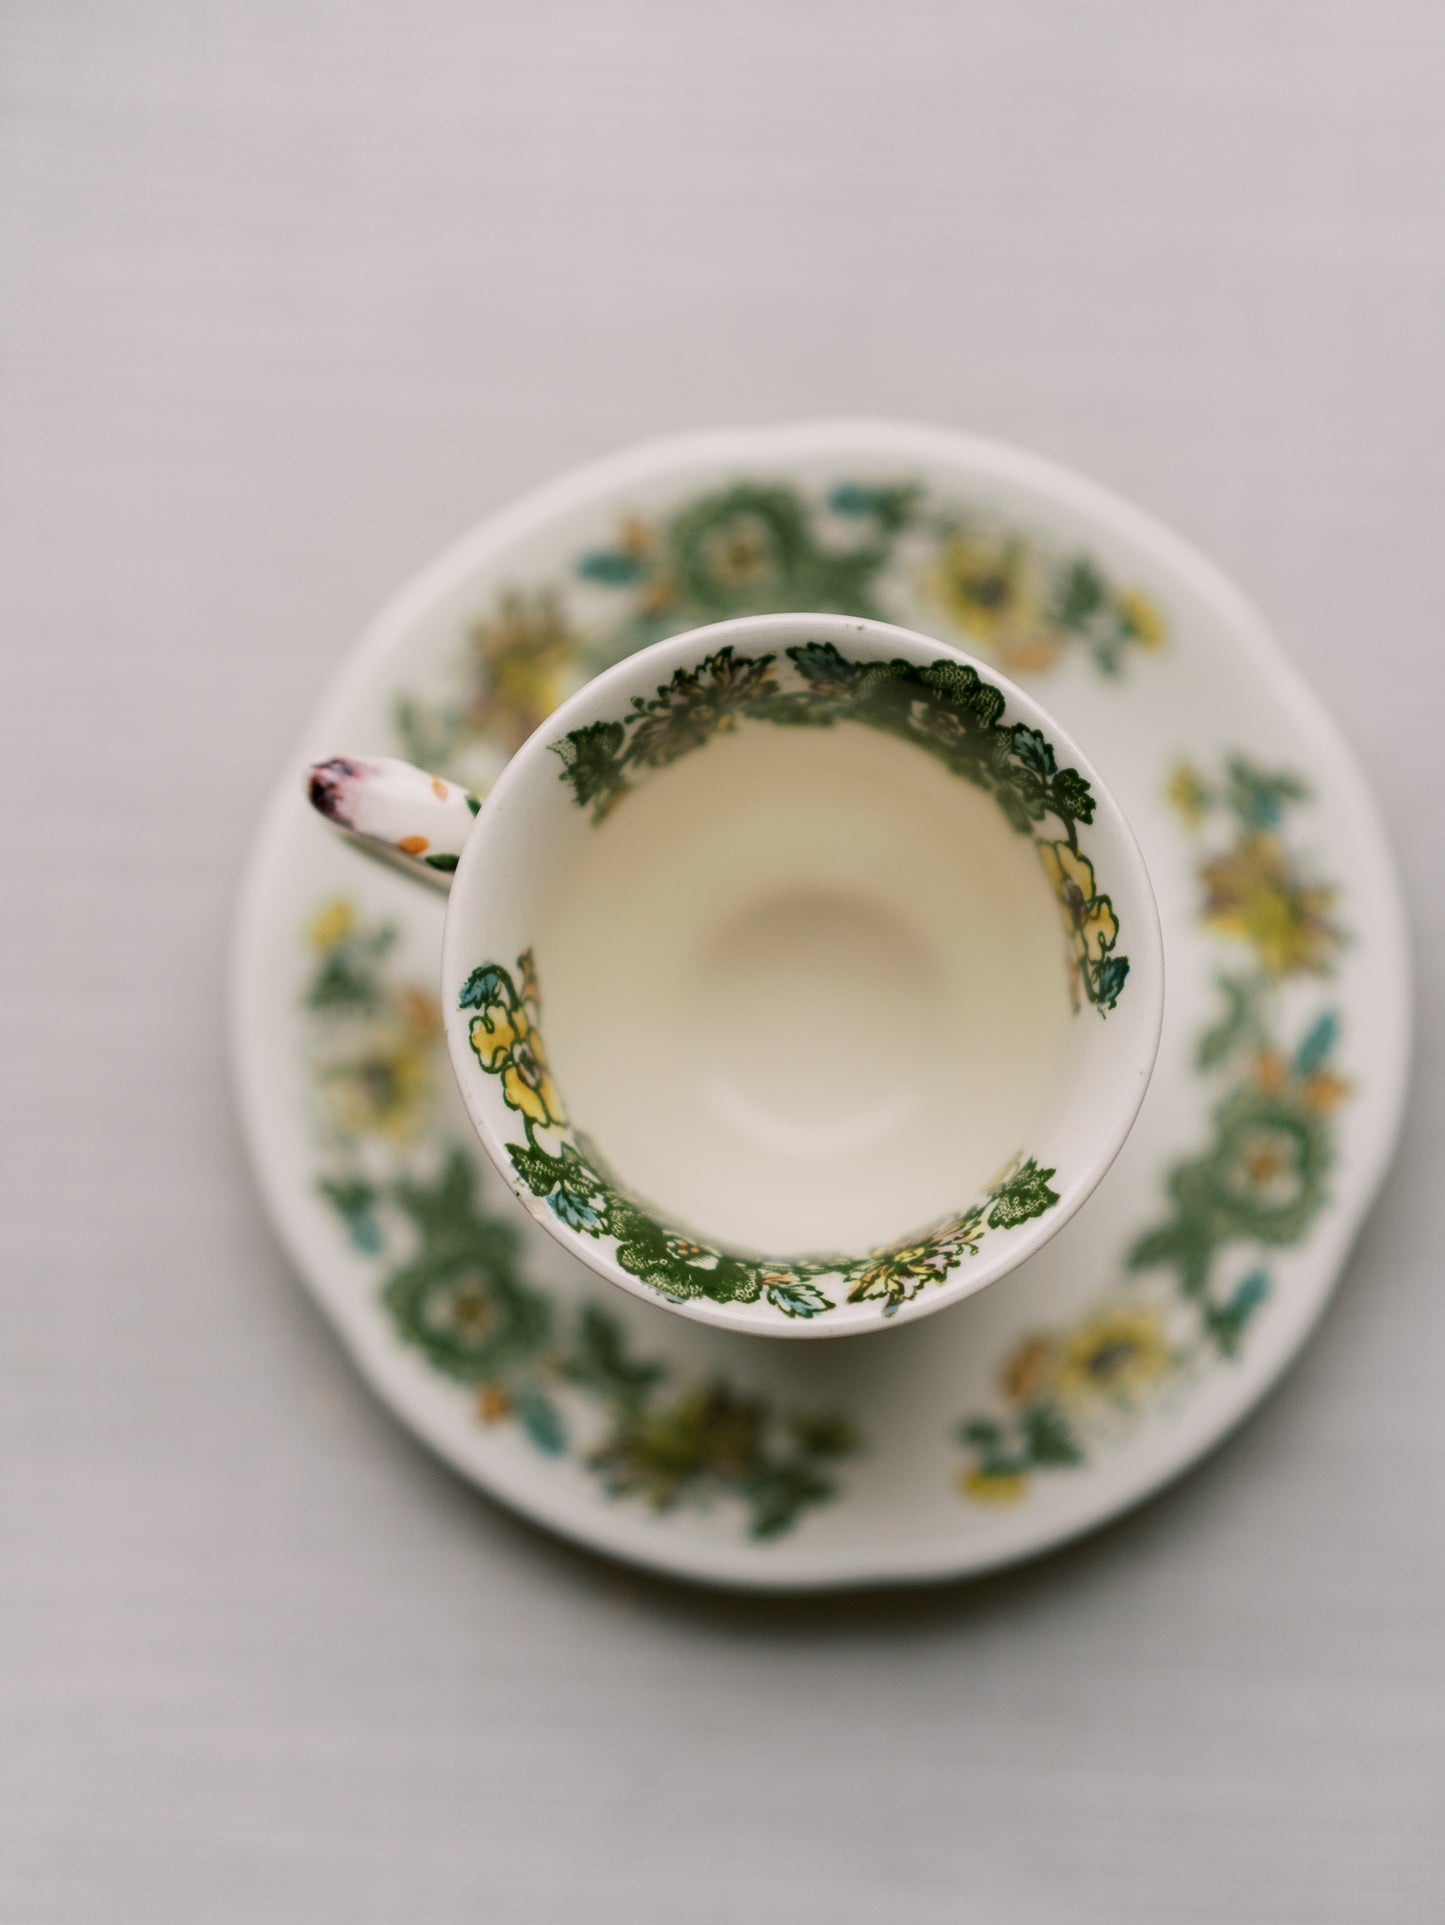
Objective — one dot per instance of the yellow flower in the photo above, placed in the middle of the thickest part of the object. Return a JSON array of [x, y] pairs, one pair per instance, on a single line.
[[332, 924], [1088, 916], [1324, 1090], [1033, 654], [740, 554], [1029, 1371], [1142, 619], [507, 1039], [986, 587], [493, 1033], [493, 1403], [1188, 794], [419, 1012], [1254, 895], [528, 657], [993, 1486], [1271, 1071], [1116, 1354], [386, 1091]]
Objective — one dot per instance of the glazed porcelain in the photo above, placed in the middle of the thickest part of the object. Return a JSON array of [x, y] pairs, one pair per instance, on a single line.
[[791, 936], [1118, 1354]]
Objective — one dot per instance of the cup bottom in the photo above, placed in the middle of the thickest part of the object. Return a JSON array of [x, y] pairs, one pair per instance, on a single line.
[[806, 992]]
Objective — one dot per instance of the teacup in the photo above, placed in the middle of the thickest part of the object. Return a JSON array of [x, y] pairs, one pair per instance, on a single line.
[[846, 960]]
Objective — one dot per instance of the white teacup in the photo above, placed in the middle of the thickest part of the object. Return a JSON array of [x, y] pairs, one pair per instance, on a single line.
[[784, 895]]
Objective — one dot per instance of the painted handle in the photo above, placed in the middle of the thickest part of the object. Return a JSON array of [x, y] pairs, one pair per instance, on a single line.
[[417, 821]]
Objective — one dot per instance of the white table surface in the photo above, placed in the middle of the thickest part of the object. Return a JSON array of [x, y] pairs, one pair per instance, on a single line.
[[290, 293]]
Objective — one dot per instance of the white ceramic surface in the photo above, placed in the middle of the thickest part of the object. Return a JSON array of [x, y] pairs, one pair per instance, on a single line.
[[1116, 1356], [831, 942]]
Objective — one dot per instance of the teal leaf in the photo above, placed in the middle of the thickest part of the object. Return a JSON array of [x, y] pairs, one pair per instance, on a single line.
[[585, 1214], [1109, 979], [889, 507], [485, 986], [1314, 1051], [354, 1201], [539, 1419], [1258, 798], [1226, 1322], [613, 567], [798, 1298], [1034, 751]]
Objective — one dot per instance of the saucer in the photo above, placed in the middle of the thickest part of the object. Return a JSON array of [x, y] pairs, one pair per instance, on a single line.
[[1115, 1357]]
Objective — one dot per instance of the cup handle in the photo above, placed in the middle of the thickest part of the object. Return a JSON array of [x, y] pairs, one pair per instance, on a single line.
[[416, 821]]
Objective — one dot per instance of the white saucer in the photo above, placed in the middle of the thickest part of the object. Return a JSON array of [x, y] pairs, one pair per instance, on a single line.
[[1074, 1387]]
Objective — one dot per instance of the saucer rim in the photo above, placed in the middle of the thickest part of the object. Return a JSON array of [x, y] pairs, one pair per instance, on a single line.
[[796, 1567]]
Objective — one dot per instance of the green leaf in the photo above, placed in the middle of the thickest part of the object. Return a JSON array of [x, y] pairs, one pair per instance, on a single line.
[[981, 1433], [1048, 1438], [540, 1172], [446, 863], [1072, 797], [829, 1436], [600, 1362], [343, 982], [1081, 594], [1238, 1025], [778, 1493], [1026, 1194]]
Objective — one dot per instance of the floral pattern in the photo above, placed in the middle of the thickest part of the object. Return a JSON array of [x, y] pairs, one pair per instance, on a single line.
[[374, 1054], [561, 1166], [889, 550], [1255, 1186], [454, 1280], [946, 709], [451, 1272]]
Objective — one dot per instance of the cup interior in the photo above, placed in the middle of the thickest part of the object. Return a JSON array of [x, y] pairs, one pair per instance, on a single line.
[[794, 941]]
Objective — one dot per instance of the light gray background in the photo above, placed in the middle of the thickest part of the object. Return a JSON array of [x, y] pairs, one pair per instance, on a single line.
[[291, 293]]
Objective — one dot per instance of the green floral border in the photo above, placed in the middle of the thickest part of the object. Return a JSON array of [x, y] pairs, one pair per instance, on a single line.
[[893, 550], [945, 709], [1201, 1273], [454, 1277], [559, 1164], [450, 1275]]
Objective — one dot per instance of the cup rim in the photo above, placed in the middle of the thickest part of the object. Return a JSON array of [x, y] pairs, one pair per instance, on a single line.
[[1112, 1117]]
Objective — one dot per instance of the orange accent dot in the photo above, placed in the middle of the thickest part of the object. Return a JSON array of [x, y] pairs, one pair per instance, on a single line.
[[439, 788], [414, 845]]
